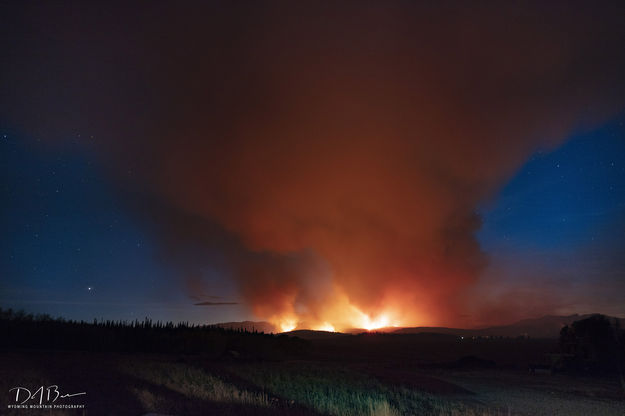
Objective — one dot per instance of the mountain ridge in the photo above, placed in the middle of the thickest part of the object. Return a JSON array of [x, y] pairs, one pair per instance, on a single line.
[[547, 326]]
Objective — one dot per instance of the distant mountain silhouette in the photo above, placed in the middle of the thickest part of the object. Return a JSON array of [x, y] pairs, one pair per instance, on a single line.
[[545, 327], [361, 330], [548, 326], [312, 334]]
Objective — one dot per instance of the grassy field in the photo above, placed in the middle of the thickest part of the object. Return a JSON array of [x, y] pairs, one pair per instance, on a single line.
[[338, 391], [145, 367], [135, 384]]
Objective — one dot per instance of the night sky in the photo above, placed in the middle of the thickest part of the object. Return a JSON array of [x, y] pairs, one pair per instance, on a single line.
[[315, 165]]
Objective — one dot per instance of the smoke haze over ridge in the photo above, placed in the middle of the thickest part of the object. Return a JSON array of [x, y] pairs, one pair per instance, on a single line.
[[329, 157]]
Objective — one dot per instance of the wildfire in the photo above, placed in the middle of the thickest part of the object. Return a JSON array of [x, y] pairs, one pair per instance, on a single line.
[[341, 319], [380, 322], [362, 320], [339, 314], [287, 324], [325, 327]]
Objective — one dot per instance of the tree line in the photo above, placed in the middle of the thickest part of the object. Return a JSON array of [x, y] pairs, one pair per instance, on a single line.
[[595, 344], [19, 330]]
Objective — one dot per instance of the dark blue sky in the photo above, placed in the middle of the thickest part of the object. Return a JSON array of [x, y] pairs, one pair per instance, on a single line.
[[71, 249], [559, 225]]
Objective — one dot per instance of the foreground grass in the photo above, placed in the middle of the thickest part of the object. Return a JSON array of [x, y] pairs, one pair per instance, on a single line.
[[341, 392], [191, 382], [325, 390]]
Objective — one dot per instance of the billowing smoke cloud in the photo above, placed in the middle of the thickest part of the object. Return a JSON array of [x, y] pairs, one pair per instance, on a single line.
[[329, 156]]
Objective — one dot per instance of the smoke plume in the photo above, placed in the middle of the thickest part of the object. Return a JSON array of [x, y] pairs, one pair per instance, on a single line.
[[328, 156]]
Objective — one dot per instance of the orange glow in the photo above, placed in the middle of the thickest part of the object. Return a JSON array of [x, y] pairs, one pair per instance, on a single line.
[[363, 320], [379, 322], [340, 315], [287, 324], [325, 327]]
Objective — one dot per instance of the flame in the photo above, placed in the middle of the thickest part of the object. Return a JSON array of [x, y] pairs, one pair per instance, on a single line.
[[325, 327], [380, 322], [341, 314], [363, 320], [287, 324], [345, 317]]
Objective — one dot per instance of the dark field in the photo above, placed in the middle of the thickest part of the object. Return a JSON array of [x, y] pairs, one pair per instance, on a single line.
[[368, 374]]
